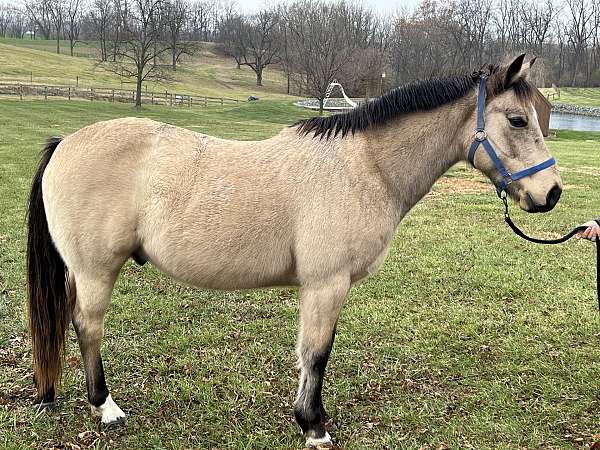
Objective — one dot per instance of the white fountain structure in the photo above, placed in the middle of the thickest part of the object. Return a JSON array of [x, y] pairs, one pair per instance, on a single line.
[[330, 88], [314, 104]]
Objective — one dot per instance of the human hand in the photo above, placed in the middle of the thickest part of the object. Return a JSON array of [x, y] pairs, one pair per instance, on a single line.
[[591, 232]]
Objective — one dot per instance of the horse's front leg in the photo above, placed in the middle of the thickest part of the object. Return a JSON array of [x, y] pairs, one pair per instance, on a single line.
[[320, 305]]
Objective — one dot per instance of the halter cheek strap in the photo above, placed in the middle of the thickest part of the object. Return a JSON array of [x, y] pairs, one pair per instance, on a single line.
[[481, 139]]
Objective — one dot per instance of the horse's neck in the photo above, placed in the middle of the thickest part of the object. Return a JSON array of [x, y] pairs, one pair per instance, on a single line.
[[413, 151]]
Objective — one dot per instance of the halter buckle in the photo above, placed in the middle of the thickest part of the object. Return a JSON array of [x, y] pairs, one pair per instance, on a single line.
[[480, 135]]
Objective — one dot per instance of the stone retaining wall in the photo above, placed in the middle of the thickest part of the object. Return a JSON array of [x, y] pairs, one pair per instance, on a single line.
[[576, 109]]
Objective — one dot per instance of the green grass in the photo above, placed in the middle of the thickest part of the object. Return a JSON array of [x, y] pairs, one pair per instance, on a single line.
[[577, 96], [204, 74], [466, 336]]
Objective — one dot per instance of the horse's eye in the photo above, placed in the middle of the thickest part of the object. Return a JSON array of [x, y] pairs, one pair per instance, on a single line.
[[518, 122]]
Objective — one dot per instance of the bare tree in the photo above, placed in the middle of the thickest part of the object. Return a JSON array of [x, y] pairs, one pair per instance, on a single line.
[[58, 12], [177, 17], [230, 36], [260, 42], [141, 43], [17, 22], [39, 12], [580, 31], [538, 16], [324, 41], [5, 18], [73, 24], [200, 19], [101, 17]]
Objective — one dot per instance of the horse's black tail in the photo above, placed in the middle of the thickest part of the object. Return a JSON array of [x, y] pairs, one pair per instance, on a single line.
[[50, 307]]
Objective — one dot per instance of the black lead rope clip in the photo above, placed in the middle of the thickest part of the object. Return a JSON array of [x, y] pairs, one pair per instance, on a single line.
[[559, 240]]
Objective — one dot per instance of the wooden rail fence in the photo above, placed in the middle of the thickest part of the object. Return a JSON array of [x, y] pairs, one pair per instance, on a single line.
[[111, 95]]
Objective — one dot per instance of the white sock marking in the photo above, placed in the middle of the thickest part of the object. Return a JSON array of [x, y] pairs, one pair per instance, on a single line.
[[109, 411], [314, 442]]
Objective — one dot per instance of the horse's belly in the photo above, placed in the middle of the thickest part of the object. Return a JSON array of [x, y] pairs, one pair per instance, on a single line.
[[219, 266]]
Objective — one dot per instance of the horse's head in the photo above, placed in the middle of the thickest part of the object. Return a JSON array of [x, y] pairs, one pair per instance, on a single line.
[[513, 132]]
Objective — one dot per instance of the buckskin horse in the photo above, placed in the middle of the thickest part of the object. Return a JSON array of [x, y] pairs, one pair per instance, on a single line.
[[315, 206]]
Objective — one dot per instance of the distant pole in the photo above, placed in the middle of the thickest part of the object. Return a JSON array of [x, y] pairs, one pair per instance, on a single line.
[[31, 77]]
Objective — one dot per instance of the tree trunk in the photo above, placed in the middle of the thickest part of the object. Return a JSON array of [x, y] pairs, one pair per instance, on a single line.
[[72, 43], [321, 101], [174, 56], [259, 71], [57, 43], [138, 91]]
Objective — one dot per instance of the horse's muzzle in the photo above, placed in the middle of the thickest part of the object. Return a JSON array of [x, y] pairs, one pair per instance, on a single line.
[[551, 200]]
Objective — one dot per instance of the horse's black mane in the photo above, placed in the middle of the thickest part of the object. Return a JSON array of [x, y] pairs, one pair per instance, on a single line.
[[412, 97]]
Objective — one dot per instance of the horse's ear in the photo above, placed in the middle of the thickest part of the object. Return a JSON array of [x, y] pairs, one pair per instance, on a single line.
[[515, 70]]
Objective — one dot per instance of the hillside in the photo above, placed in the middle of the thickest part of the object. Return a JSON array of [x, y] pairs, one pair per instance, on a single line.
[[203, 74], [576, 96]]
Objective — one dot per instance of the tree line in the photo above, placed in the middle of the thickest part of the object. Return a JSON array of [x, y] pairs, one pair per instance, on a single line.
[[316, 41]]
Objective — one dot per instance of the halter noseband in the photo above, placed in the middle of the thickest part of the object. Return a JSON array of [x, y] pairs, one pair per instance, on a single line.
[[481, 139]]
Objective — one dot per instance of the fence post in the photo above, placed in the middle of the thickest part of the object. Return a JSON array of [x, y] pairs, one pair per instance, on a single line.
[[77, 81], [69, 92], [45, 92], [152, 98], [31, 77], [171, 95], [20, 92], [132, 96], [189, 101], [113, 96], [205, 101], [91, 94], [221, 101]]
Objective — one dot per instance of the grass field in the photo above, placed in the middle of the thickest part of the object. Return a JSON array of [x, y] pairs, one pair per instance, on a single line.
[[577, 96], [204, 74], [467, 336]]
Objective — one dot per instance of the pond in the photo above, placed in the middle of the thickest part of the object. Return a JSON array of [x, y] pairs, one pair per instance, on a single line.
[[563, 121]]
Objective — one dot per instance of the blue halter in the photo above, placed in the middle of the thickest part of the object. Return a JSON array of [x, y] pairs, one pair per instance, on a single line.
[[481, 139]]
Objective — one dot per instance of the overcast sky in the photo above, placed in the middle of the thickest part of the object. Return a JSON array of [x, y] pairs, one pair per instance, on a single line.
[[381, 6]]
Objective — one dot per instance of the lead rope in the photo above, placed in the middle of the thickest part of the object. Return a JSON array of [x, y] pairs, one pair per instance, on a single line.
[[559, 240]]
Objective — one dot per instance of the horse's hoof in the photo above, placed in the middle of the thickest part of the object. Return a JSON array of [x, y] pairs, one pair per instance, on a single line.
[[112, 416], [319, 443], [116, 423], [42, 406]]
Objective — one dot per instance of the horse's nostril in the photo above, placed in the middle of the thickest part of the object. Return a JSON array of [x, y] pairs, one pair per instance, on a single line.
[[553, 196]]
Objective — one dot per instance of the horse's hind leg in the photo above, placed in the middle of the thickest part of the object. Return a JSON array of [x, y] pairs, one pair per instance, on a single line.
[[93, 299], [320, 306]]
